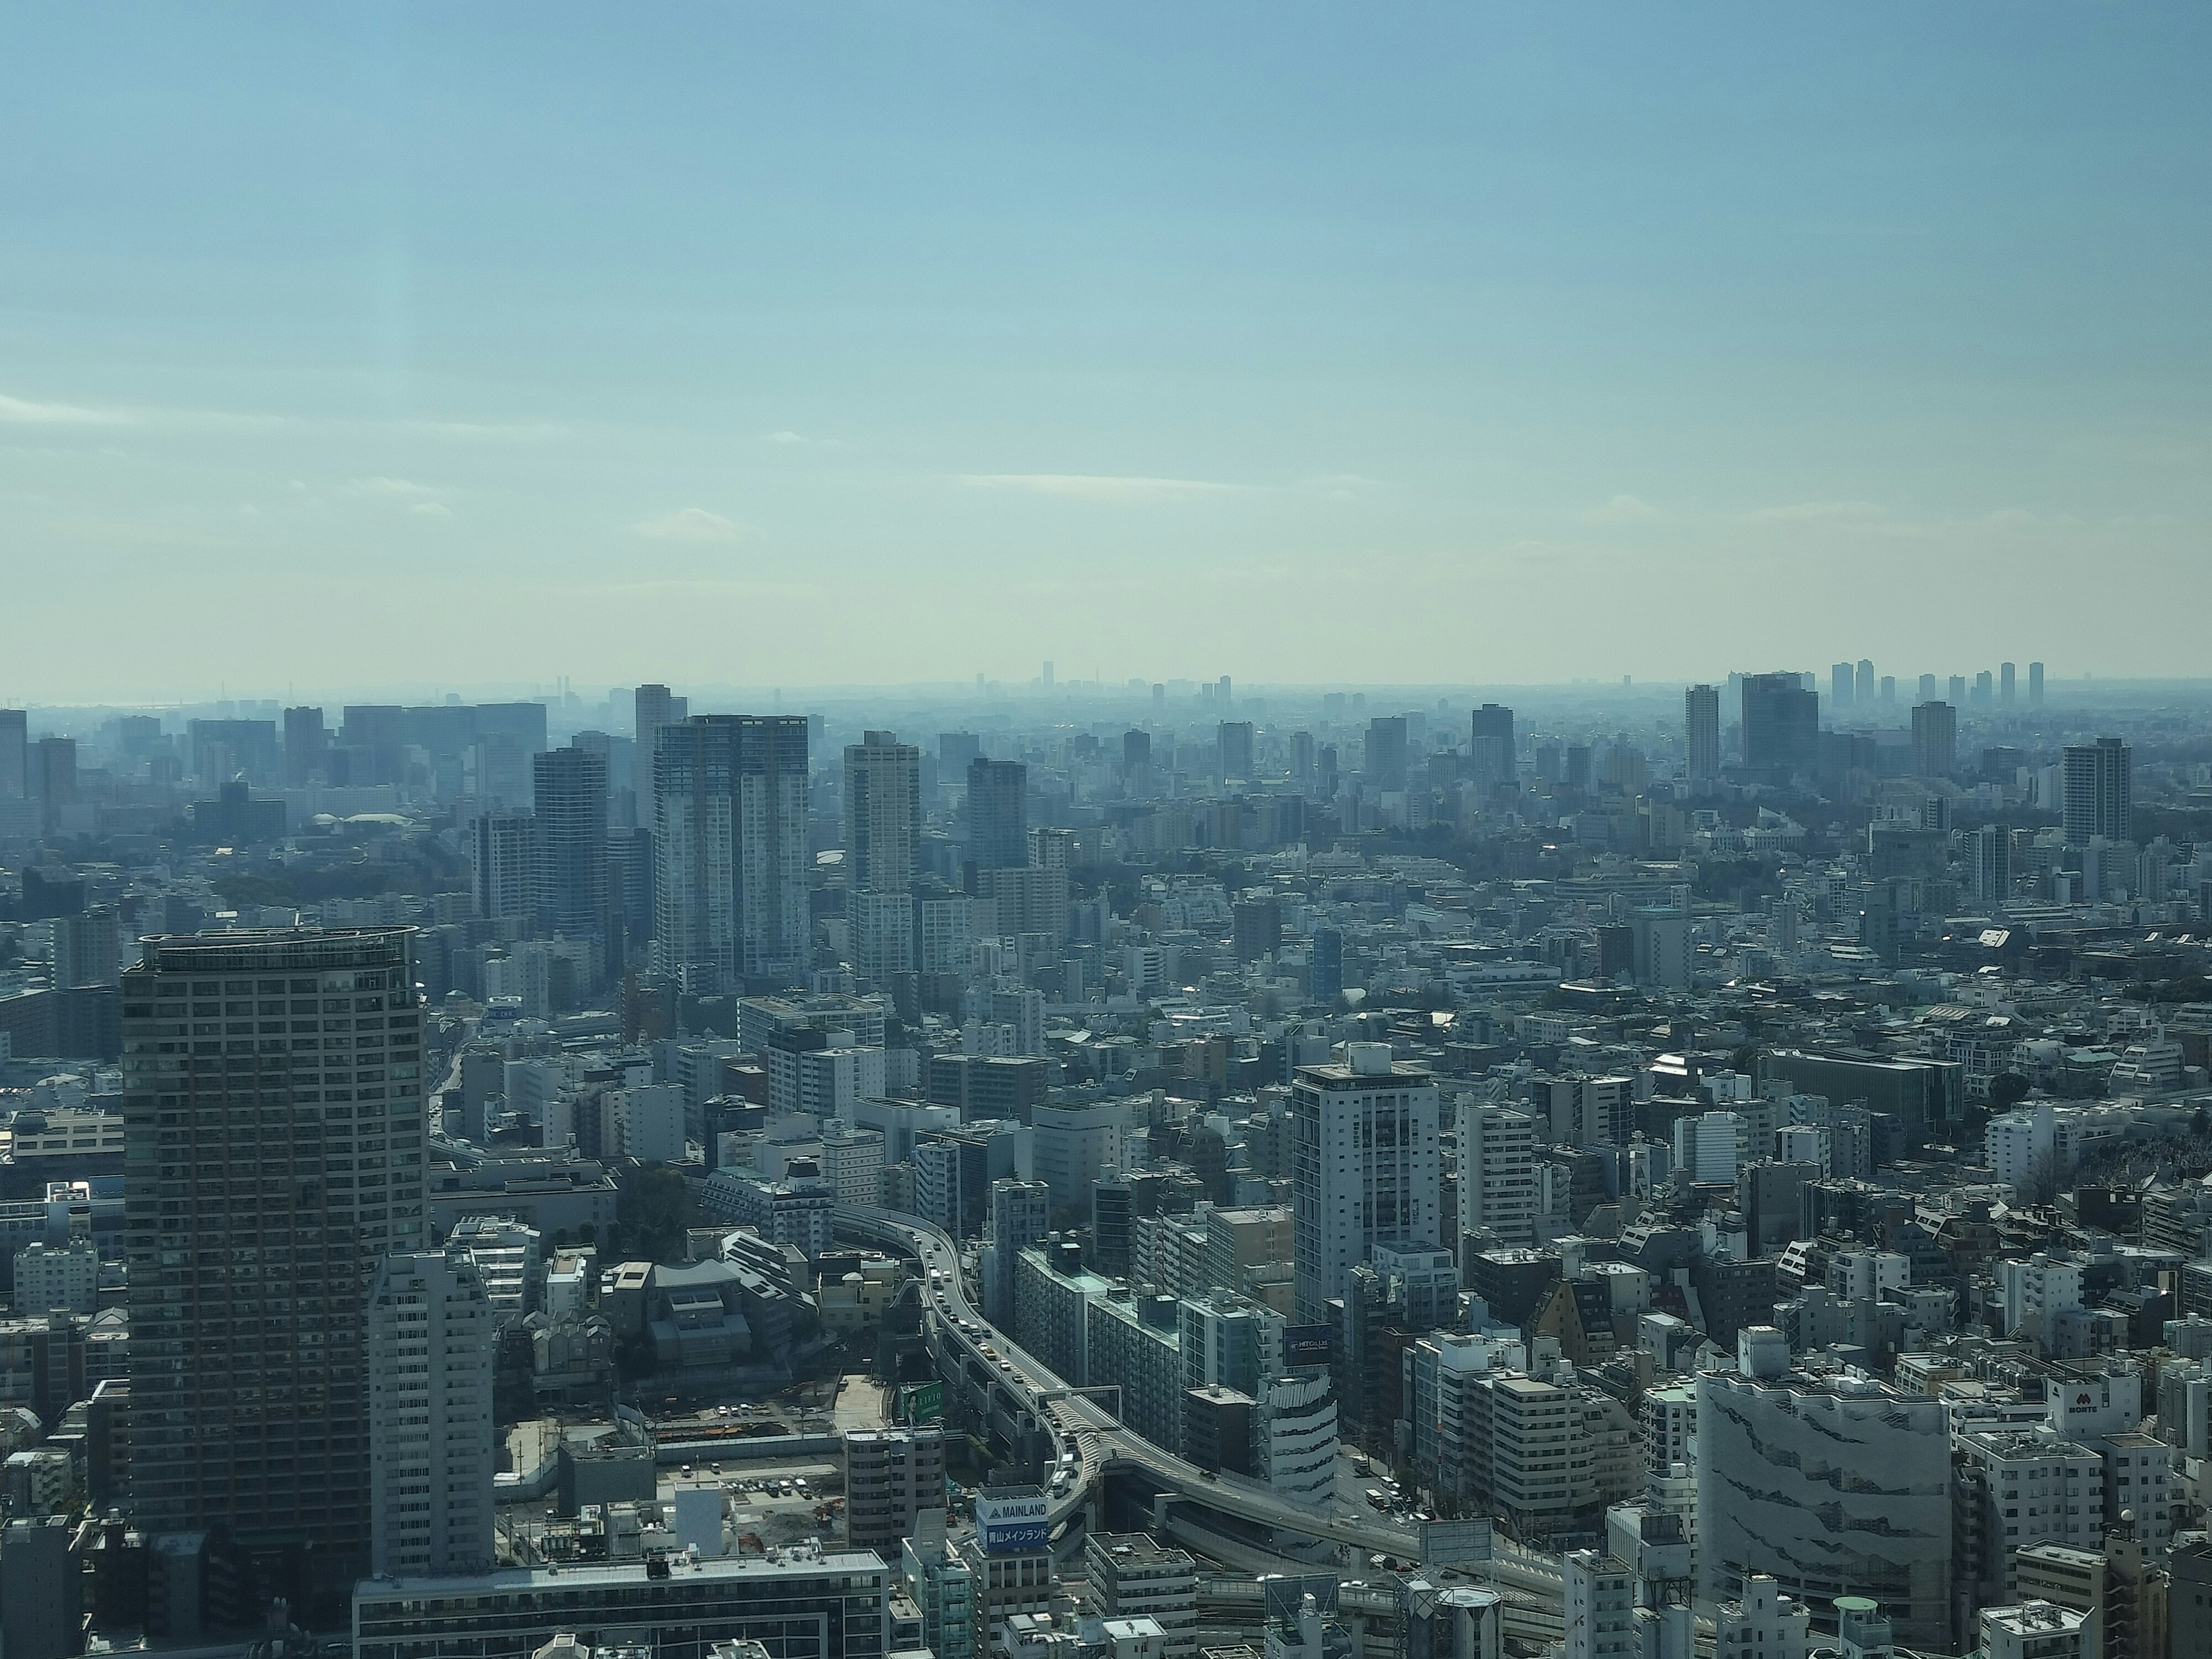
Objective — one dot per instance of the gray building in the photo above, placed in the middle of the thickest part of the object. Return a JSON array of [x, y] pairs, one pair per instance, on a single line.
[[730, 832], [431, 1443], [256, 1067]]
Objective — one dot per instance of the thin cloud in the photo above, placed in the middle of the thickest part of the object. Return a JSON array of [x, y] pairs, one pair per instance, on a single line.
[[1810, 512], [1622, 509], [692, 524], [18, 412], [1099, 486], [787, 437], [431, 510], [398, 489]]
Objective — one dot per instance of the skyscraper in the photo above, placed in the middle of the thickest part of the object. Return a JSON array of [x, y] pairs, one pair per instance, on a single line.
[[998, 814], [1928, 688], [1990, 852], [1935, 739], [1497, 1172], [2005, 684], [15, 754], [569, 789], [257, 1066], [2097, 790], [883, 813], [507, 867], [431, 1444], [1958, 697], [1701, 730], [1385, 766], [730, 834], [1843, 681], [307, 745], [653, 708], [1490, 752], [1781, 721], [1235, 748], [1866, 681], [2035, 684], [1366, 1168]]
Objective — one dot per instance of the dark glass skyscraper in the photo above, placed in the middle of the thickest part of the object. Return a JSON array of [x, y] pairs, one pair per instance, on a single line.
[[2098, 791], [998, 814], [273, 1128], [1781, 721], [568, 790], [730, 834]]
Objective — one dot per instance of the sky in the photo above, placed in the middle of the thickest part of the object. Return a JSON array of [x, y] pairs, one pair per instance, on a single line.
[[351, 347]]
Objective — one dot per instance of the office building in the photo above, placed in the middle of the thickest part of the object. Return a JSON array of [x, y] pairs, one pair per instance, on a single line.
[[2033, 1629], [1021, 1215], [2097, 790], [2005, 684], [1133, 1576], [1865, 682], [883, 813], [1989, 852], [730, 832], [1841, 686], [1234, 746], [2035, 684], [1832, 1486], [891, 1476], [1497, 1188], [306, 747], [807, 1600], [15, 754], [1935, 739], [942, 1586], [42, 1589], [1366, 1168], [1325, 965], [1781, 722], [1385, 766], [432, 1451], [1490, 752], [570, 792], [1701, 732], [998, 814], [248, 1405], [1598, 1597]]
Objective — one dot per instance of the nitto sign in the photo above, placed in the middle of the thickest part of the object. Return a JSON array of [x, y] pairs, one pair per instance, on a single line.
[[1013, 1523]]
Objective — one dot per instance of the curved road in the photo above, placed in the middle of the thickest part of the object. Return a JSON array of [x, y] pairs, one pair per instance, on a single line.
[[1102, 1438]]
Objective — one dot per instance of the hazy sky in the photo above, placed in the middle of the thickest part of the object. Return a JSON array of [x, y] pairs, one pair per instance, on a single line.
[[346, 346]]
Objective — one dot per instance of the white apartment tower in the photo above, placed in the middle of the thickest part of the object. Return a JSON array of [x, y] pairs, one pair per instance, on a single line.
[[1366, 1168], [431, 1456], [1497, 1172]]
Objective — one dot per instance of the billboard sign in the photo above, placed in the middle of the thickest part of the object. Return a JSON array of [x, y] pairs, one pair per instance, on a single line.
[[1455, 1543], [921, 1403], [1305, 1345], [1012, 1520]]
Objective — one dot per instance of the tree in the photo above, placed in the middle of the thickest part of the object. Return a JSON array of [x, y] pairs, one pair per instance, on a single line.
[[2007, 1091]]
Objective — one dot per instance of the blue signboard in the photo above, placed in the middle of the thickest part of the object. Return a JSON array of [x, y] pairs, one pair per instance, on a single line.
[[1306, 1345]]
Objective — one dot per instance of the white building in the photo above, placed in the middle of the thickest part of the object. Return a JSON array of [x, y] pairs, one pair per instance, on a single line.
[[2035, 1288], [1497, 1172], [508, 1256], [647, 1124], [1294, 1437], [50, 1276], [431, 1442], [1133, 1576], [1375, 1173], [1072, 1144], [853, 1163], [1599, 1606], [1706, 1146], [1762, 1624], [827, 1082], [2035, 1630], [2023, 1487]]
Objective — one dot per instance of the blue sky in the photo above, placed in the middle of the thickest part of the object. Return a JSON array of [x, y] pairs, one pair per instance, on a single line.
[[812, 344]]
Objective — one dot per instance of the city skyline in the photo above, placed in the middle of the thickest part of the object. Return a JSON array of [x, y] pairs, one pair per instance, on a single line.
[[1580, 336]]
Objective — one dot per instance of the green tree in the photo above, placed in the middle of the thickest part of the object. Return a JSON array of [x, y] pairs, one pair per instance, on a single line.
[[2007, 1091]]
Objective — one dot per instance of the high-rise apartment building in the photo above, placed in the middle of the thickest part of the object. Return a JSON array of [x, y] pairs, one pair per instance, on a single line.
[[2006, 684], [2096, 790], [1497, 1172], [883, 813], [506, 865], [1366, 1168], [1843, 682], [1866, 681], [730, 834], [431, 1441], [891, 1476], [570, 790], [653, 707], [273, 1126], [998, 814], [1935, 739], [1990, 853], [1701, 730], [1781, 721], [2035, 684]]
